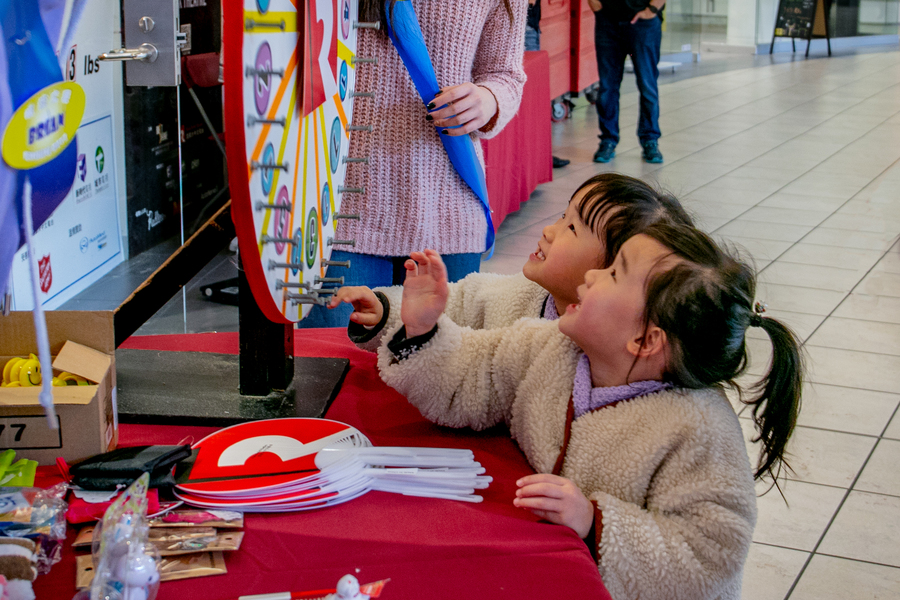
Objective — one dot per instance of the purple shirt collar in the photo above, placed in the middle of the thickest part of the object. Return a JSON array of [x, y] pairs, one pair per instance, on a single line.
[[587, 398], [550, 312]]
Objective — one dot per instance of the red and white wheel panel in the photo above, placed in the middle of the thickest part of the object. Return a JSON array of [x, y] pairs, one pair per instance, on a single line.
[[289, 78]]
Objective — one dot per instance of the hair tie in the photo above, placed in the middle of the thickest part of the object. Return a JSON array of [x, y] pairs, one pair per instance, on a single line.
[[756, 316]]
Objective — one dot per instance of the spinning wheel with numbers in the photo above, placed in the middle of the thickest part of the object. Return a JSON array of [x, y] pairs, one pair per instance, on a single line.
[[290, 70]]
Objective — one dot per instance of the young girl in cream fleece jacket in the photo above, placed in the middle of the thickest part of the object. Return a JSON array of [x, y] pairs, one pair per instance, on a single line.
[[603, 212], [619, 406]]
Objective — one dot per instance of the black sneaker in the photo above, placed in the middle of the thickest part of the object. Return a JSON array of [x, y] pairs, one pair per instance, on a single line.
[[560, 162], [606, 152], [651, 152]]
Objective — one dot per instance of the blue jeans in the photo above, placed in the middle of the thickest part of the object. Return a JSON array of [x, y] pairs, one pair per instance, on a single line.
[[615, 40], [377, 271], [532, 38]]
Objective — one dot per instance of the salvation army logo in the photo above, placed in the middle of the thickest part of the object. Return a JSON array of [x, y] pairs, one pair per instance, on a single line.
[[259, 454], [82, 167], [99, 159], [46, 273]]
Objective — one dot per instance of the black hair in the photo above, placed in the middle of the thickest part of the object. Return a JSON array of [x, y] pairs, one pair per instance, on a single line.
[[628, 206], [374, 10], [704, 303]]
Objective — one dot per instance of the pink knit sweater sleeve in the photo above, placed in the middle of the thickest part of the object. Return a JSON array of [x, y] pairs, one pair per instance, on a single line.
[[498, 63]]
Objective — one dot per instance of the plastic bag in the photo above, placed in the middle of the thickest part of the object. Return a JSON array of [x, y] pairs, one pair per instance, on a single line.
[[37, 514], [126, 564]]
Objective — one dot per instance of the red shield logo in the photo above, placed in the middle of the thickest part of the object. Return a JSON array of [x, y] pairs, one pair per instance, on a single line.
[[46, 273]]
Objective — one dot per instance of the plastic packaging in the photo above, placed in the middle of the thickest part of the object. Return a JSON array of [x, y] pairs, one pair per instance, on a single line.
[[126, 564], [37, 514]]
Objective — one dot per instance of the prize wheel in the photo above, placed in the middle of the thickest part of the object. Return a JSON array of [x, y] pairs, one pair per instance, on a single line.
[[290, 69]]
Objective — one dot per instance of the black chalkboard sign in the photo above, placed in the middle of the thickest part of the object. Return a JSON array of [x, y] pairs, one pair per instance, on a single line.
[[795, 18], [802, 19]]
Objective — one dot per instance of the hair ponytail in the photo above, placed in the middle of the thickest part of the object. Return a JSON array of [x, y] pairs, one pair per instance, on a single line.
[[704, 303], [777, 397]]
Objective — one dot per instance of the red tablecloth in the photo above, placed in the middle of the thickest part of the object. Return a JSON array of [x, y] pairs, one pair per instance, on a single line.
[[428, 548], [521, 157]]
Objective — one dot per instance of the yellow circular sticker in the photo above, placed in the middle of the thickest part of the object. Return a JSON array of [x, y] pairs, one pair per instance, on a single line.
[[43, 126]]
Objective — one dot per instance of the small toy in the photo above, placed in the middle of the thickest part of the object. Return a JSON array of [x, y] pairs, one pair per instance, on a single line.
[[126, 564], [138, 573], [26, 372], [18, 567], [348, 589]]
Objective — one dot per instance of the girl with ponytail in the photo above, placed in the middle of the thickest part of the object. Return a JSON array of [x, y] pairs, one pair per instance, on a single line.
[[619, 406]]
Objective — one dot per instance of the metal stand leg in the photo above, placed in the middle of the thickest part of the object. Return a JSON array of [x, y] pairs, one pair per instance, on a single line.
[[267, 348]]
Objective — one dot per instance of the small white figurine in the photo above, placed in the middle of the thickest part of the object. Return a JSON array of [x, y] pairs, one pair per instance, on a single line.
[[137, 573], [348, 589]]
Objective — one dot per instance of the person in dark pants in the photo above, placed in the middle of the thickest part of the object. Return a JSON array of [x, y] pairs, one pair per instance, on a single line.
[[533, 42], [623, 27]]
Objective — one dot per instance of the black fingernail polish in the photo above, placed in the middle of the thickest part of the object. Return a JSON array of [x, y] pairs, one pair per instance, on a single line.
[[429, 118], [430, 106], [444, 131]]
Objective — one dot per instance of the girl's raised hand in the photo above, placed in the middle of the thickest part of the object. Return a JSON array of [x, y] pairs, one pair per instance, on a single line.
[[367, 309], [468, 107], [424, 292], [556, 499]]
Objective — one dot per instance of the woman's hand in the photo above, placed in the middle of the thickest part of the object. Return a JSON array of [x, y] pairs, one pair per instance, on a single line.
[[556, 499], [367, 309], [425, 292], [595, 5], [469, 107], [643, 15]]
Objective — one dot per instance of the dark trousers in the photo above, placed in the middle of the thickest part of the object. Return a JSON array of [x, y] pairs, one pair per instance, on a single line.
[[614, 41]]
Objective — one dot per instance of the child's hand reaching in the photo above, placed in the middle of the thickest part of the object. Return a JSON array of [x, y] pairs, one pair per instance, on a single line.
[[424, 292], [367, 309], [556, 499]]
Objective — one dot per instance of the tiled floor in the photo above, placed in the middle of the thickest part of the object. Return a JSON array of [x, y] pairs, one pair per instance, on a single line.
[[798, 164]]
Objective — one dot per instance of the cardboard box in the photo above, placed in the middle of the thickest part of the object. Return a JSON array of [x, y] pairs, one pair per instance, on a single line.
[[83, 343]]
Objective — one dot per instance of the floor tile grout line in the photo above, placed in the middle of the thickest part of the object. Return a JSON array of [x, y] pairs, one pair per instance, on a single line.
[[841, 504], [857, 318], [791, 262], [782, 546], [874, 436], [868, 562], [869, 352]]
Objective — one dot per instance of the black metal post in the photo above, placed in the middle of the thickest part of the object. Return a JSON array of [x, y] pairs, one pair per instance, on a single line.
[[266, 349]]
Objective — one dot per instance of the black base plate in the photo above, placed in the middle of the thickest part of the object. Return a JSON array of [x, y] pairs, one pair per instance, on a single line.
[[197, 388]]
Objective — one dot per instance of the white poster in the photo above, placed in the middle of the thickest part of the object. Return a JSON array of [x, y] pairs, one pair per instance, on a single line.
[[81, 241]]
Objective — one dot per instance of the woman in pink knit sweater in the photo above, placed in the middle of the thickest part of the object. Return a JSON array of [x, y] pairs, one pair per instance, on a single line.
[[413, 196]]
